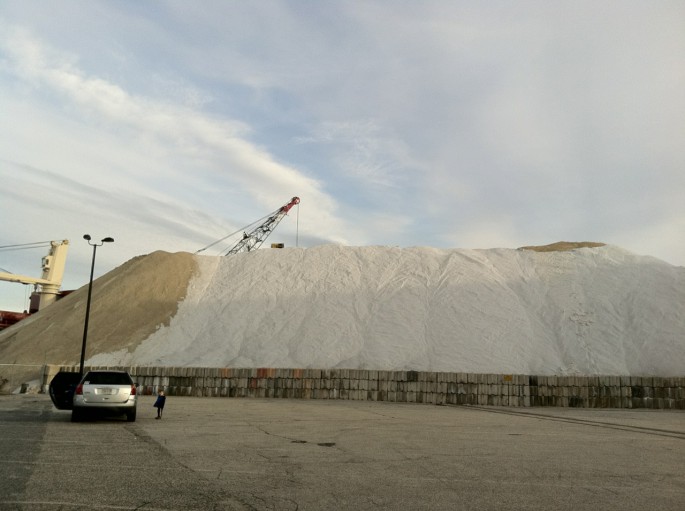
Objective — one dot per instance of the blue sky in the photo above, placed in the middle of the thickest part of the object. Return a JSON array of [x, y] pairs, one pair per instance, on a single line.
[[170, 124]]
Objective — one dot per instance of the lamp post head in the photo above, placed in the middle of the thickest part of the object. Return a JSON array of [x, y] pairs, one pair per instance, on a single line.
[[108, 239]]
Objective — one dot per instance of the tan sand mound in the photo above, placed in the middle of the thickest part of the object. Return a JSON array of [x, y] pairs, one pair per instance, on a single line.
[[156, 282], [563, 246]]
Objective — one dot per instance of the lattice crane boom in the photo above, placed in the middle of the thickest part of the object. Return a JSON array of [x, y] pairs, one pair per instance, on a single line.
[[256, 236]]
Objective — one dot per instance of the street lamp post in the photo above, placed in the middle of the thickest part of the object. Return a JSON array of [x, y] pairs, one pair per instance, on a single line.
[[90, 290]]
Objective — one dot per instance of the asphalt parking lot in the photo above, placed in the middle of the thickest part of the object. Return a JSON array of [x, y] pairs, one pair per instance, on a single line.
[[240, 454]]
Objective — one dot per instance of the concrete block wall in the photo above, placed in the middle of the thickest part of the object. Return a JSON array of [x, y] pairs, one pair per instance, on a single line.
[[413, 386]]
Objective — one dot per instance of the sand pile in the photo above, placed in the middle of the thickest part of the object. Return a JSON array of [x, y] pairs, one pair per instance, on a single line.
[[127, 305], [593, 310]]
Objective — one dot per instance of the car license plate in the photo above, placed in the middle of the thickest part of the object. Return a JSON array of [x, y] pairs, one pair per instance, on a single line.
[[105, 391]]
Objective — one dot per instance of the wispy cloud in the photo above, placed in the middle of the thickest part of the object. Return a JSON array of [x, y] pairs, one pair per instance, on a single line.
[[185, 139]]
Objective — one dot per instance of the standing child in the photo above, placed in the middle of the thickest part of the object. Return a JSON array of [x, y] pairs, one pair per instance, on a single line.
[[159, 404]]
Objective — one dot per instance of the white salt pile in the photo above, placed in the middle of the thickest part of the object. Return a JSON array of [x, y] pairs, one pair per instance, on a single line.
[[587, 311]]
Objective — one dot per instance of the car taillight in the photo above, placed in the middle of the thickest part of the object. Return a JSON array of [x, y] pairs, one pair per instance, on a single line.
[[133, 390], [79, 390]]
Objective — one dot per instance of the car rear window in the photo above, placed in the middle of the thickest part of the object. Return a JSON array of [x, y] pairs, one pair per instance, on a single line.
[[105, 378]]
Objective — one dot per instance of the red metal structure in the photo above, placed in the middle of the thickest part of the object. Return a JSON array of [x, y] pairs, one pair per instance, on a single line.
[[8, 318]]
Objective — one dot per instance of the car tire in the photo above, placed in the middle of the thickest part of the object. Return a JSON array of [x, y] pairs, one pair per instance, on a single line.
[[131, 416]]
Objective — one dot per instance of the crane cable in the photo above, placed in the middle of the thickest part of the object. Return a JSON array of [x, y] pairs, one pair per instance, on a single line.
[[23, 246], [243, 229], [26, 246]]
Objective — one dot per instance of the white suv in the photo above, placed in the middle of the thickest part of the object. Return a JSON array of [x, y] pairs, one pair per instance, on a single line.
[[109, 392]]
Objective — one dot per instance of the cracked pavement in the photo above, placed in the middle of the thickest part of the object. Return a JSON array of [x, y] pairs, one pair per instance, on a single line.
[[262, 454]]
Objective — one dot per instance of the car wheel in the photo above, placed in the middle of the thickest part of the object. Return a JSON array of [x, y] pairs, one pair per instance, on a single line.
[[131, 416]]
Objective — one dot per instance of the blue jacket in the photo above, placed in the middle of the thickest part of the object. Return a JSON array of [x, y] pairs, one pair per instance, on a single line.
[[160, 402]]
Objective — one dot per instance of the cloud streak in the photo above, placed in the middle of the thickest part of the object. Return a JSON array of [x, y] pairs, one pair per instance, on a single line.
[[188, 137]]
